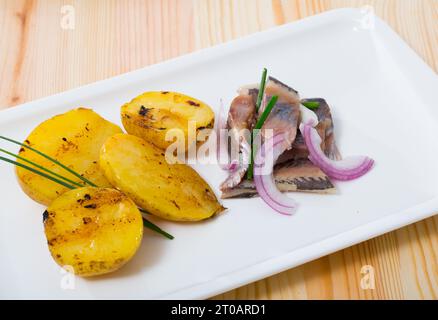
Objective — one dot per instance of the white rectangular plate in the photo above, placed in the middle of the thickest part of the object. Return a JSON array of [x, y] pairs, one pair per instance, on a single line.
[[384, 104]]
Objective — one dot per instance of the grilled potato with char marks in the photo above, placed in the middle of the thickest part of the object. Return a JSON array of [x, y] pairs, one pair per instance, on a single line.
[[74, 139], [93, 230], [170, 191], [152, 114]]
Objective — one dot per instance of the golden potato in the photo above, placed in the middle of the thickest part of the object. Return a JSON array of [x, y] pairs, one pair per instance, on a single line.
[[152, 114], [74, 139], [93, 230], [173, 192]]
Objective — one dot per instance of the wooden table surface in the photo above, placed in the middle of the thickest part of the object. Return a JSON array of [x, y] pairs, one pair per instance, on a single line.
[[43, 50]]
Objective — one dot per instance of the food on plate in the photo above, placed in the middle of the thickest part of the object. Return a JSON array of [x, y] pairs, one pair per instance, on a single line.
[[346, 169], [98, 180], [294, 175], [71, 161], [152, 114], [292, 138], [293, 170], [170, 191], [283, 119], [74, 139], [93, 230], [241, 116], [61, 180]]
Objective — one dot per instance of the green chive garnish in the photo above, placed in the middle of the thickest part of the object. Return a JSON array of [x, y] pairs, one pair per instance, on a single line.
[[51, 159], [266, 112], [258, 126], [157, 229], [146, 223], [249, 173], [41, 167], [261, 89], [38, 172], [312, 105]]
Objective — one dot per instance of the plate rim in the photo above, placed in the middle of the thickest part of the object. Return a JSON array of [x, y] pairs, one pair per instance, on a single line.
[[296, 257]]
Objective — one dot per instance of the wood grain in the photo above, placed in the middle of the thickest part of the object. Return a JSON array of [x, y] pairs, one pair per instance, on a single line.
[[39, 58]]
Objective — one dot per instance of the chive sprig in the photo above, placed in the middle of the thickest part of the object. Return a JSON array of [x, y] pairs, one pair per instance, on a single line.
[[50, 159], [61, 180], [42, 174], [258, 126], [312, 105], [261, 89], [41, 168]]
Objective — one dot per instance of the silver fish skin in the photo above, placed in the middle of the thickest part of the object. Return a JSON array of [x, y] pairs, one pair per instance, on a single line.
[[241, 117], [293, 171], [283, 119], [285, 115], [297, 176], [325, 130]]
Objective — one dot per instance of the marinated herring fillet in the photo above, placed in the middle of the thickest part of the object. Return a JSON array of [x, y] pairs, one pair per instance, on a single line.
[[240, 117], [298, 175], [283, 119], [325, 131], [293, 171]]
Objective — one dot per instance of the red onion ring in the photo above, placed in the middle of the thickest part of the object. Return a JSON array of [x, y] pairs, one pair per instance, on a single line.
[[266, 157], [346, 169]]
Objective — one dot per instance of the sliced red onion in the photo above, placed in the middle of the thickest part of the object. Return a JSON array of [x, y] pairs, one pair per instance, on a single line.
[[232, 166], [346, 169], [266, 157]]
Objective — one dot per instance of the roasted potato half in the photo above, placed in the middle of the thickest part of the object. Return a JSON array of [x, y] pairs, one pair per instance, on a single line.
[[93, 230], [170, 191], [74, 139], [152, 114]]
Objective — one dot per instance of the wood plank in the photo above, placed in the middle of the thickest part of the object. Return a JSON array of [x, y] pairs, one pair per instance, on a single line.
[[39, 58]]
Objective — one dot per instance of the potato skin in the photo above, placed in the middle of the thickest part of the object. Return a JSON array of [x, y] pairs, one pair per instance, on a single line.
[[173, 192], [74, 139], [152, 114], [93, 230]]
